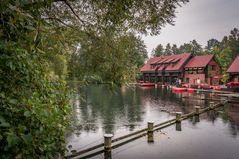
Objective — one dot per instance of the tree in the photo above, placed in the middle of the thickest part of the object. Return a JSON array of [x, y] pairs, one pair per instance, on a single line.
[[233, 42], [168, 50], [196, 48], [185, 48], [212, 43], [225, 59], [158, 51], [34, 105], [193, 47], [142, 16], [113, 58], [175, 49]]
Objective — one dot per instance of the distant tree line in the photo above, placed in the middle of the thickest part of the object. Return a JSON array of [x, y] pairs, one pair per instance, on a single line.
[[225, 50], [193, 47]]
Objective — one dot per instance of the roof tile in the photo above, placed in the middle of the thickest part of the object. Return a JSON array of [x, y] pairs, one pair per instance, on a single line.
[[234, 68], [179, 60], [199, 61]]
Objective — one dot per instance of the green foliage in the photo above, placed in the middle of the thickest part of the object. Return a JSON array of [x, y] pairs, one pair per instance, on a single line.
[[143, 16], [168, 50], [37, 40], [33, 107], [224, 57], [108, 58], [193, 47], [158, 51], [226, 51], [212, 43]]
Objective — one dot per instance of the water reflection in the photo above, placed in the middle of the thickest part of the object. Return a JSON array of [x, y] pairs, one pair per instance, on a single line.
[[100, 109]]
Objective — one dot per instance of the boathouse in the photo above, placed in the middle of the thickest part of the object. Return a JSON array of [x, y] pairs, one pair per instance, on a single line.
[[165, 69], [202, 70], [233, 70]]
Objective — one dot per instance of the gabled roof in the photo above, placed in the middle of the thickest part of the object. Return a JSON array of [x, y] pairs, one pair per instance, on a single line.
[[147, 66], [234, 68], [199, 61], [167, 63]]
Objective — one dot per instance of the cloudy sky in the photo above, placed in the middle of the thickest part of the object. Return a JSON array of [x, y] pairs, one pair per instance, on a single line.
[[200, 20]]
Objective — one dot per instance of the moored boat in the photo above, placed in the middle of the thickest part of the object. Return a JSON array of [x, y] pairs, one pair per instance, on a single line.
[[179, 89], [190, 90], [147, 84]]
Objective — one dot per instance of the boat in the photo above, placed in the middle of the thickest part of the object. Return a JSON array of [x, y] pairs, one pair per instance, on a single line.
[[191, 90], [217, 88], [147, 84], [179, 89]]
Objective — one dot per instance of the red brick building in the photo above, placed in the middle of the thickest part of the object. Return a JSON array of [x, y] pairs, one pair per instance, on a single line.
[[203, 69], [166, 69], [233, 70]]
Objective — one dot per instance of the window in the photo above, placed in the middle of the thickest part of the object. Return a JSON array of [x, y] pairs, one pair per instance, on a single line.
[[213, 67]]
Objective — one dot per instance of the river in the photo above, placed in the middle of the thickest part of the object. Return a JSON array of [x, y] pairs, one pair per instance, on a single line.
[[100, 109]]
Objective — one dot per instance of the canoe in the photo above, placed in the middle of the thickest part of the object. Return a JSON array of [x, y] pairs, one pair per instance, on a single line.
[[217, 88], [190, 89], [179, 89], [147, 84]]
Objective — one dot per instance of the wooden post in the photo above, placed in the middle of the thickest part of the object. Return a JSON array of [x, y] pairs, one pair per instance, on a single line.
[[150, 126], [156, 85], [211, 104], [178, 126], [107, 154], [202, 97], [196, 119], [151, 137], [223, 100], [229, 98], [178, 116], [107, 141], [197, 109]]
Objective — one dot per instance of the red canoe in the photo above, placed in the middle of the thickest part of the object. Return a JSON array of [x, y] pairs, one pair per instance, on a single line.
[[179, 89], [147, 84], [190, 89], [217, 88]]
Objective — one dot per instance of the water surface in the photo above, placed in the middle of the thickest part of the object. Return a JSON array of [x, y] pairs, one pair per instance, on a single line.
[[100, 109]]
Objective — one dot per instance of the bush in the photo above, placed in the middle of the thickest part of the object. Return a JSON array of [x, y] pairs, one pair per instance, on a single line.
[[34, 108]]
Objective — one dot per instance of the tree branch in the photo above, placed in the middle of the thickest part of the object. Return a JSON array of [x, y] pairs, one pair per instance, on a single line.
[[72, 10]]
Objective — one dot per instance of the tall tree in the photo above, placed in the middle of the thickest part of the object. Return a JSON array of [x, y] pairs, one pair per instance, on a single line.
[[233, 42], [225, 59], [196, 48], [168, 50], [175, 49], [185, 48], [212, 43], [33, 104], [159, 50]]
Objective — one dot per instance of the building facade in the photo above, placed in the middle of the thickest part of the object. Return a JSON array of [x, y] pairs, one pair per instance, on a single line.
[[202, 70], [166, 69]]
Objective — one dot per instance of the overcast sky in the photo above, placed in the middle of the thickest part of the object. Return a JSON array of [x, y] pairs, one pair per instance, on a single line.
[[200, 20]]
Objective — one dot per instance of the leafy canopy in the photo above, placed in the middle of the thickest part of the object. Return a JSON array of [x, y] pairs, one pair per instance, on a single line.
[[37, 38]]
